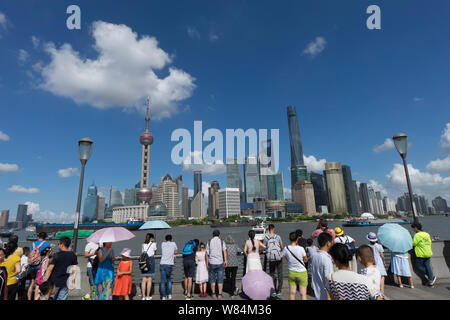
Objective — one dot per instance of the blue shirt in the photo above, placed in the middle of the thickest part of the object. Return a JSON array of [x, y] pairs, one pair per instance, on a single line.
[[321, 267]]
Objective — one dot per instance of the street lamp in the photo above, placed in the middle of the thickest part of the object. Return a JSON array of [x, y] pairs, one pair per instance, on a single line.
[[84, 152], [402, 147]]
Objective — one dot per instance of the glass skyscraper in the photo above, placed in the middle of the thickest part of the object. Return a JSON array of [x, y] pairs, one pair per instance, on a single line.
[[115, 197], [364, 197], [251, 179], [298, 168], [90, 205], [320, 193], [350, 192], [275, 186], [197, 182], [234, 179], [337, 201]]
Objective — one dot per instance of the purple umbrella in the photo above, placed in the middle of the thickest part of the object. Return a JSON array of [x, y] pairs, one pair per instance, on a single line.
[[112, 234], [257, 285]]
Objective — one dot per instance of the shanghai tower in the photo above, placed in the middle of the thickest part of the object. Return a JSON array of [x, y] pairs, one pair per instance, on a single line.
[[298, 168]]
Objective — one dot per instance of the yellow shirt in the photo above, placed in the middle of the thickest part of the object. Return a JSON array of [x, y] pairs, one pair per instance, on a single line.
[[10, 265]]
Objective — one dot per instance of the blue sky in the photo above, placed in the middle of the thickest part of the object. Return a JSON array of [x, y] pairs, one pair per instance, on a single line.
[[231, 64]]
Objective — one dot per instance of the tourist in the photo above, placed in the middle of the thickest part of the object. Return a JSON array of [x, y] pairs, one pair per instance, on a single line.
[[422, 249], [46, 290], [379, 257], [149, 247], [90, 253], [57, 270], [345, 284], [34, 259], [311, 250], [201, 276], [232, 265], [123, 282], [251, 251], [300, 240], [321, 266], [350, 243], [297, 273], [15, 238], [273, 254], [189, 250], [12, 264], [322, 226], [43, 267], [168, 252], [3, 277], [217, 261], [104, 278], [23, 276], [367, 259], [400, 268]]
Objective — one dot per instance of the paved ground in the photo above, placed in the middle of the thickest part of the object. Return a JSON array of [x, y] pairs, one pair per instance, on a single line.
[[441, 291]]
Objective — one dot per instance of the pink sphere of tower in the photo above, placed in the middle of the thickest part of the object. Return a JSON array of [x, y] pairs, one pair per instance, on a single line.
[[146, 138], [144, 195]]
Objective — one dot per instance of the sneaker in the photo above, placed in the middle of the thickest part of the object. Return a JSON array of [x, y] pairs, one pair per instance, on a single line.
[[236, 292], [189, 297], [163, 298], [169, 297], [279, 294], [144, 298], [87, 297], [220, 296], [149, 298], [433, 281], [200, 294], [214, 296], [185, 293]]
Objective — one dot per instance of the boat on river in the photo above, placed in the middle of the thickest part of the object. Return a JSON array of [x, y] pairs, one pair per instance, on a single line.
[[260, 231], [131, 225], [82, 234], [372, 223]]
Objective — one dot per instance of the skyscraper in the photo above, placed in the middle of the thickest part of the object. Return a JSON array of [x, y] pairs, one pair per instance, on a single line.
[[320, 192], [357, 197], [266, 165], [168, 190], [364, 197], [440, 204], [234, 179], [298, 168], [350, 193], [251, 179], [198, 206], [304, 194], [101, 208], [4, 219], [115, 197], [337, 201], [22, 213], [90, 205], [229, 202], [213, 200], [275, 186], [182, 197], [197, 182], [144, 195]]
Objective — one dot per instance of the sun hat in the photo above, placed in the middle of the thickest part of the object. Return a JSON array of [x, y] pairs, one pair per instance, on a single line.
[[339, 232], [371, 236], [126, 252]]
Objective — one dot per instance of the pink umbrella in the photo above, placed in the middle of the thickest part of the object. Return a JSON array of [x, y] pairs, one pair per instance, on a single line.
[[257, 285], [112, 234]]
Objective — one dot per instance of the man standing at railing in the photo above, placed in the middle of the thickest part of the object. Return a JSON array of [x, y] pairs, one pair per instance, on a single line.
[[422, 249], [217, 262]]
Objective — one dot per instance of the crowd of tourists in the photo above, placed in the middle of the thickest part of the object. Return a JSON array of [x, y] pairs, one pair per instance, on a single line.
[[323, 265]]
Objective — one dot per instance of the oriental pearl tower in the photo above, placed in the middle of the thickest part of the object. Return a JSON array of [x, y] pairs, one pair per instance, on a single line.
[[144, 195]]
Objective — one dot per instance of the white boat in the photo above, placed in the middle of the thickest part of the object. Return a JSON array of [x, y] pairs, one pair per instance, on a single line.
[[30, 229], [260, 231]]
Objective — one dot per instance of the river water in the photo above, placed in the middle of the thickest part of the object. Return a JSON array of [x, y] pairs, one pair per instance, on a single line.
[[435, 226]]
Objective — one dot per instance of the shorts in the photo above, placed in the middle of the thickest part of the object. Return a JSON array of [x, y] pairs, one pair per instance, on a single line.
[[189, 268], [298, 278], [216, 272], [151, 270], [33, 273]]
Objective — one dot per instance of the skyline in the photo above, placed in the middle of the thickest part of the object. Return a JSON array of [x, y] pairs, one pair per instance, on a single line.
[[234, 71]]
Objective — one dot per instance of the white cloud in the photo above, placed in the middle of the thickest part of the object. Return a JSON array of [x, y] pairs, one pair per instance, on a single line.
[[3, 20], [23, 57], [439, 166], [4, 136], [189, 164], [314, 164], [387, 145], [21, 189], [315, 47], [122, 75], [33, 208], [445, 139], [7, 167], [35, 41], [193, 33], [416, 99], [377, 187], [213, 37], [66, 173], [52, 217]]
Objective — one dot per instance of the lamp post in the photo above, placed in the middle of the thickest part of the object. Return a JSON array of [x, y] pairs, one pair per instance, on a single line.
[[84, 152], [402, 147]]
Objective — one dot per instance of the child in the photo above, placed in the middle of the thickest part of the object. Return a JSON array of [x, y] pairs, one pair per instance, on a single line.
[[46, 290], [379, 257], [367, 259], [123, 282], [400, 268], [201, 278], [46, 255]]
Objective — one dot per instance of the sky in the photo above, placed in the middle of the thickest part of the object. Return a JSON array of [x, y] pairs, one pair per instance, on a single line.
[[230, 64]]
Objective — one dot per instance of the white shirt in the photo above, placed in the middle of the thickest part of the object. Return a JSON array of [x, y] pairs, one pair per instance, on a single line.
[[23, 262], [90, 248], [150, 248], [343, 239], [294, 264], [168, 249], [350, 286], [374, 276]]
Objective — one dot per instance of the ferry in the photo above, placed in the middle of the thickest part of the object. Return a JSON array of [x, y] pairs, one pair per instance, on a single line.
[[82, 234], [260, 231], [131, 225], [30, 229], [372, 223]]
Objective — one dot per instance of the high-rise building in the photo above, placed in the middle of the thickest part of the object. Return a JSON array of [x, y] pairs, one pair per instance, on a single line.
[[90, 205], [115, 197], [4, 218], [364, 197], [198, 206], [350, 192], [229, 202], [213, 200], [304, 194], [275, 186], [266, 165], [197, 182], [251, 179], [131, 197], [169, 191], [183, 191], [259, 207], [234, 179], [357, 197], [22, 213], [334, 180], [320, 192], [101, 208], [440, 204]]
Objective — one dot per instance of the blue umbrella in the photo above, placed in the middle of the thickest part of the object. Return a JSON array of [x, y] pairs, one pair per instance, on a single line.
[[155, 225], [395, 237]]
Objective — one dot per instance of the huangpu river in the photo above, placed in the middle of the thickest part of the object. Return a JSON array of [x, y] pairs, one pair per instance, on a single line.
[[435, 226]]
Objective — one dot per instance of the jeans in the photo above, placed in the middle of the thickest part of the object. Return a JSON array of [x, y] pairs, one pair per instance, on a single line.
[[230, 275], [279, 266], [166, 274], [423, 265], [61, 293], [216, 272], [91, 276]]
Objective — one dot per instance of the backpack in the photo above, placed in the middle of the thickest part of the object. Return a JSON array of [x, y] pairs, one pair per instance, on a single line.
[[41, 272], [189, 248], [351, 246], [35, 258], [143, 261], [273, 248]]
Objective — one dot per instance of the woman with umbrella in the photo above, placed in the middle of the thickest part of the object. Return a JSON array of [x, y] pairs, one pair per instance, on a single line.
[[104, 279]]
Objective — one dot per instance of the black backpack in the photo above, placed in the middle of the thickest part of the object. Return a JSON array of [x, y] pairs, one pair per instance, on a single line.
[[143, 261]]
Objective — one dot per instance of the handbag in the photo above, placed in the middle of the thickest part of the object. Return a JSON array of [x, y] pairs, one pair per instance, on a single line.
[[334, 286], [302, 263]]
